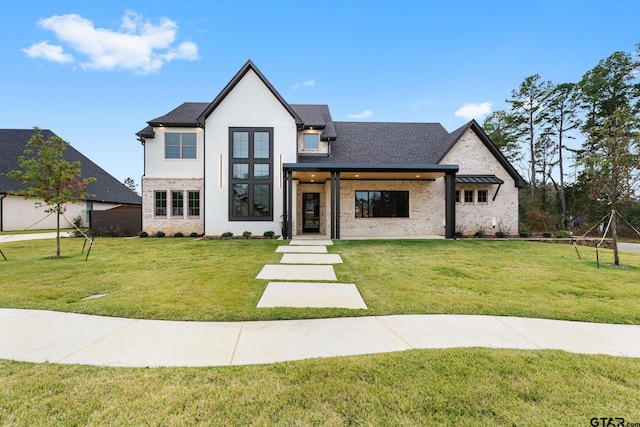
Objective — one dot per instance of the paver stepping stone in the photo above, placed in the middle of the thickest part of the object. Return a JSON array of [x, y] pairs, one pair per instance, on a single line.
[[310, 242], [295, 294], [311, 259], [302, 249], [297, 272]]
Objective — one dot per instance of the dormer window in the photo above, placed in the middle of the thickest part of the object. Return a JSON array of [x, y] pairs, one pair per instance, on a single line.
[[311, 141]]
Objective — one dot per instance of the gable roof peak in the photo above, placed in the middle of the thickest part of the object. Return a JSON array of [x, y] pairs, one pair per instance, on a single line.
[[248, 66]]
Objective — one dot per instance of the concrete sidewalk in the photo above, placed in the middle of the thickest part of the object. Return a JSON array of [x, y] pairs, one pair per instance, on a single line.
[[46, 336]]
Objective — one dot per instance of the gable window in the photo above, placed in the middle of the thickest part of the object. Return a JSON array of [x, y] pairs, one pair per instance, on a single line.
[[177, 203], [311, 141], [251, 163], [194, 203], [180, 146], [483, 196], [160, 203], [382, 204], [468, 196]]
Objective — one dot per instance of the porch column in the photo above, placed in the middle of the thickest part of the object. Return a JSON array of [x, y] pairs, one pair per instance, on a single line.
[[335, 205], [450, 205]]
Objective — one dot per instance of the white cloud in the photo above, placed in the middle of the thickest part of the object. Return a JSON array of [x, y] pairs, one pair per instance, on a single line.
[[139, 45], [306, 83], [49, 52], [420, 103], [363, 115], [474, 111]]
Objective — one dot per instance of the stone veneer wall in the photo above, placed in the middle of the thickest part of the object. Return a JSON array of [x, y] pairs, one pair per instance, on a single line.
[[171, 225], [426, 209], [474, 157]]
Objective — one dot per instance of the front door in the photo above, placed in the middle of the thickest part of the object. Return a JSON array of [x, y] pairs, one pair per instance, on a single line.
[[311, 212]]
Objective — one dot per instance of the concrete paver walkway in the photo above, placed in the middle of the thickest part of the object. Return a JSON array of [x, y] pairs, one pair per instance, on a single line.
[[46, 336]]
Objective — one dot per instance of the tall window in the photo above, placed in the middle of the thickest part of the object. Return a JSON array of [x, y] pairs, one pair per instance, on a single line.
[[311, 141], [180, 146], [382, 204], [483, 196], [161, 203], [251, 176], [177, 203], [194, 203]]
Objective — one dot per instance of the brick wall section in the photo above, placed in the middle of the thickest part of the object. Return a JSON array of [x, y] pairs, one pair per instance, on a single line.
[[426, 210], [171, 225], [473, 157]]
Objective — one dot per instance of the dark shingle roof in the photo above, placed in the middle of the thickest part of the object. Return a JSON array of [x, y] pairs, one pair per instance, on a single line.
[[385, 143], [105, 188], [317, 116], [184, 115]]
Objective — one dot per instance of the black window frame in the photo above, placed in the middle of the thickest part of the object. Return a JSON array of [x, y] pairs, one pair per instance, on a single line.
[[467, 193], [177, 203], [163, 206], [255, 187], [482, 194], [193, 200], [382, 204]]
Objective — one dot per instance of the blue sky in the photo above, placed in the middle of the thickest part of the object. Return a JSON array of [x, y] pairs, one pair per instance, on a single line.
[[96, 72]]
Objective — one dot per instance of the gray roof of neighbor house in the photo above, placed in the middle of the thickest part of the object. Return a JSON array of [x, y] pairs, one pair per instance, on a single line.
[[105, 188]]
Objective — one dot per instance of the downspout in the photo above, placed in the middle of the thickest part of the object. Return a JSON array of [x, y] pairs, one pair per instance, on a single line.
[[203, 209], [2, 212]]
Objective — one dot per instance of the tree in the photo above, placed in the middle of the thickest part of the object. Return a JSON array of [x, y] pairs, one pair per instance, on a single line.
[[499, 126], [562, 118], [131, 184], [49, 178], [611, 167], [527, 107]]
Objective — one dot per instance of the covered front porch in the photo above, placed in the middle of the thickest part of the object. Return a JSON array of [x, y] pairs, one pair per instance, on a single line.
[[360, 200]]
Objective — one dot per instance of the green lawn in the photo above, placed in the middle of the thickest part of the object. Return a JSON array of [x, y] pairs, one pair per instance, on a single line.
[[471, 387], [215, 280], [188, 279]]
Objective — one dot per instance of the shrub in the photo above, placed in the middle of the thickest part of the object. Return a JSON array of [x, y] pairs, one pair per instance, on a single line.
[[194, 234], [143, 234], [523, 234], [227, 235], [538, 220], [562, 234], [117, 230], [178, 234], [269, 234], [547, 234], [501, 234], [246, 234], [479, 234], [458, 234], [160, 234]]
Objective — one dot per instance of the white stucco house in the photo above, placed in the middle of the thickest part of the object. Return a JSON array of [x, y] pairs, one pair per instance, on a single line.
[[18, 213], [249, 161]]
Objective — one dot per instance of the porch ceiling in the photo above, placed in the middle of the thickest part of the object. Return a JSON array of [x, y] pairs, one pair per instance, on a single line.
[[320, 173], [321, 177]]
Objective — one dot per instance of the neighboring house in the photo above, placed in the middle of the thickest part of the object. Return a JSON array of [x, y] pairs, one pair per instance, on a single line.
[[249, 161], [18, 213]]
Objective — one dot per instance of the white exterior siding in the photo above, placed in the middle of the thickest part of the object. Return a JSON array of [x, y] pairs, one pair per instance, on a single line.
[[156, 166], [249, 105], [20, 214], [474, 157]]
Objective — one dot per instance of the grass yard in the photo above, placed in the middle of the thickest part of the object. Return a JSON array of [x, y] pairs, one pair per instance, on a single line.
[[471, 387], [215, 280], [187, 279]]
